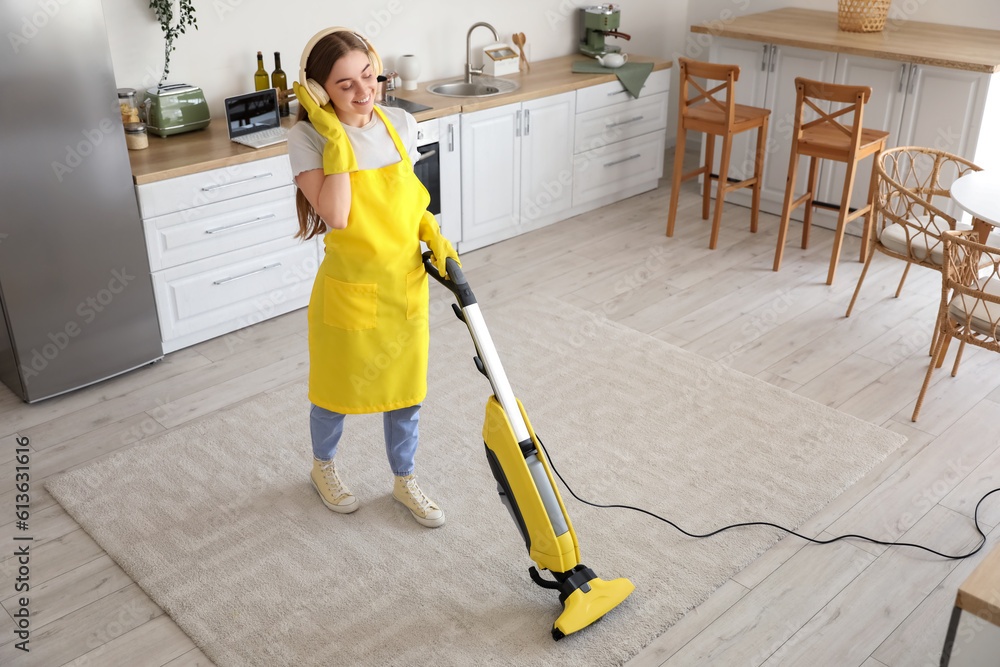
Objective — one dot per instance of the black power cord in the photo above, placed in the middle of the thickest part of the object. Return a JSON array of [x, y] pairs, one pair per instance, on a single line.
[[979, 530]]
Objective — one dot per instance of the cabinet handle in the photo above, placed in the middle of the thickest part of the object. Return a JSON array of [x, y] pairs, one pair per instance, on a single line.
[[246, 275], [235, 225], [209, 188], [914, 74], [763, 58], [625, 122], [527, 122], [630, 157], [902, 78], [517, 124], [451, 137], [774, 56]]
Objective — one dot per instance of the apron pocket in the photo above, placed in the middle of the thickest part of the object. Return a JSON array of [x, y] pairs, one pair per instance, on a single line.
[[416, 293], [349, 306]]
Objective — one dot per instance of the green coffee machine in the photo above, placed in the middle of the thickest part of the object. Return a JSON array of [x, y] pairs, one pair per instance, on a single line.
[[600, 21]]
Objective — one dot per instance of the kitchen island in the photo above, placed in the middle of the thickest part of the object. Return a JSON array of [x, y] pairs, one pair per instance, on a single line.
[[932, 85]]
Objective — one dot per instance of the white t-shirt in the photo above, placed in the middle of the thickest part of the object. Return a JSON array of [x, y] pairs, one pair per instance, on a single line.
[[373, 147]]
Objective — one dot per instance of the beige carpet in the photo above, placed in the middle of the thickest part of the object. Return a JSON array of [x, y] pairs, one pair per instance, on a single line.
[[219, 525]]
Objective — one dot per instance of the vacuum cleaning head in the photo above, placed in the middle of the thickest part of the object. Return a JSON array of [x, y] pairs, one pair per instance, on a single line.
[[585, 597]]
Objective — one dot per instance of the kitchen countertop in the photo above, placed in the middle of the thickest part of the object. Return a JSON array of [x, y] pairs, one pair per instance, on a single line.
[[972, 49], [210, 148]]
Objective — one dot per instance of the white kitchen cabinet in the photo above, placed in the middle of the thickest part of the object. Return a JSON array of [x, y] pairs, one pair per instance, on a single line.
[[945, 109], [767, 80], [491, 183], [214, 296], [547, 137], [222, 250], [450, 165], [517, 167], [919, 105], [618, 167], [618, 151], [530, 164]]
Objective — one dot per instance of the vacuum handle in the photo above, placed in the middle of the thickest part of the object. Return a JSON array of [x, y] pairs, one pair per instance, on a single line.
[[455, 281]]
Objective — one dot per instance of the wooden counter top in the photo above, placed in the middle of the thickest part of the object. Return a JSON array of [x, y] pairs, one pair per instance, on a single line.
[[211, 148], [547, 77], [972, 49]]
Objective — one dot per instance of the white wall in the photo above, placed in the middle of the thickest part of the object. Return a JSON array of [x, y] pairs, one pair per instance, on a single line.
[[220, 56]]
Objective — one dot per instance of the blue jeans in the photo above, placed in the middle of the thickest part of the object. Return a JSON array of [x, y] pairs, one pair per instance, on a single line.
[[401, 435]]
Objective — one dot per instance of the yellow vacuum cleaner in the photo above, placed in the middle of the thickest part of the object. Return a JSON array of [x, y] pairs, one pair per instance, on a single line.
[[525, 482]]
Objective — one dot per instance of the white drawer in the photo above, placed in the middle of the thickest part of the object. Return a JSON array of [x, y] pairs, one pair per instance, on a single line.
[[604, 126], [237, 288], [613, 92], [605, 171], [197, 233], [207, 187]]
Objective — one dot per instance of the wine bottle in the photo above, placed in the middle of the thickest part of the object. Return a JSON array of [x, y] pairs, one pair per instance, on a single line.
[[260, 76], [279, 81]]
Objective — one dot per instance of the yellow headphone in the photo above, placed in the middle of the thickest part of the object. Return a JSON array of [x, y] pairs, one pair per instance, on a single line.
[[316, 90]]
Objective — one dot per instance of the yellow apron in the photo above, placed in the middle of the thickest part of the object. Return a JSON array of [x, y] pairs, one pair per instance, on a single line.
[[368, 329]]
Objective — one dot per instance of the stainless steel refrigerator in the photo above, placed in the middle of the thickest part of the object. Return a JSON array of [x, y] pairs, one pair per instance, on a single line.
[[75, 287]]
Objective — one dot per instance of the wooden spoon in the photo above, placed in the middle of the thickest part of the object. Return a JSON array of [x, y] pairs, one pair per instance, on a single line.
[[519, 40]]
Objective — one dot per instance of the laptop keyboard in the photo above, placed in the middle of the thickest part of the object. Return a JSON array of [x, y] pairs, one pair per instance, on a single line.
[[264, 138]]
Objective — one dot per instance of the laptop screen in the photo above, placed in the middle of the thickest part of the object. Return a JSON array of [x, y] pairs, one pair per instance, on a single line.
[[252, 112]]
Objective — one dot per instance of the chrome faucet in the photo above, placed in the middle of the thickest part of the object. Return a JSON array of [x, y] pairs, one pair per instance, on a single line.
[[469, 69]]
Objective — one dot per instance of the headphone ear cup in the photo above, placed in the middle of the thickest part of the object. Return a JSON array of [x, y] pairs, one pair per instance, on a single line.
[[317, 92]]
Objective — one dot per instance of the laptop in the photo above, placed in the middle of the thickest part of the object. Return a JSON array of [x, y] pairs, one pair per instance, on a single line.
[[253, 119]]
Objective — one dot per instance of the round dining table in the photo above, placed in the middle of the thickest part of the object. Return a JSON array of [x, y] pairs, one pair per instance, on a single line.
[[978, 192]]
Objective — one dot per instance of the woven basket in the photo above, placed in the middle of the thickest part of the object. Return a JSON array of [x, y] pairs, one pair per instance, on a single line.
[[862, 15]]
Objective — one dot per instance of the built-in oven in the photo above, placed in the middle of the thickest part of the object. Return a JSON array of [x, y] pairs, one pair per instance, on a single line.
[[428, 170], [439, 169]]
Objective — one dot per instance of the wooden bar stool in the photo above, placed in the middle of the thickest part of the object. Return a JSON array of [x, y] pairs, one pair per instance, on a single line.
[[721, 117], [826, 138]]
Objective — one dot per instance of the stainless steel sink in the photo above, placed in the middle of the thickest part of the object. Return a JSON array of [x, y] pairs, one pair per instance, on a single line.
[[481, 86]]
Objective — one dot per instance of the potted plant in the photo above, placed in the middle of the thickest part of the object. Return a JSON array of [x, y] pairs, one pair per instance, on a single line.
[[164, 10]]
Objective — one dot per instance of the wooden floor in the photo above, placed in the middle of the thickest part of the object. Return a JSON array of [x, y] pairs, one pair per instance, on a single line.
[[846, 604]]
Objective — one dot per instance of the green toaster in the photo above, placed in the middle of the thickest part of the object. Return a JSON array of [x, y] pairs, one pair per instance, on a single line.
[[174, 108]]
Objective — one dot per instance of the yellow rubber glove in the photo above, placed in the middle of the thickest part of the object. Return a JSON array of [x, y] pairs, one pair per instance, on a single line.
[[338, 156], [440, 247]]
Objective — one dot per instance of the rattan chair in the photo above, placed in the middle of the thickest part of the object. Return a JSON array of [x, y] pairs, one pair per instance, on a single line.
[[970, 300], [912, 190]]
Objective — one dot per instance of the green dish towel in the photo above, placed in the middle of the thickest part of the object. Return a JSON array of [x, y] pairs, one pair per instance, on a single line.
[[632, 75]]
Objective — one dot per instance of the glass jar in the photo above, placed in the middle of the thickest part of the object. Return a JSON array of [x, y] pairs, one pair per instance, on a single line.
[[135, 136], [128, 104]]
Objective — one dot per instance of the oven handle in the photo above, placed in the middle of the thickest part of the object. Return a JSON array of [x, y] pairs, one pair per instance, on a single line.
[[424, 156]]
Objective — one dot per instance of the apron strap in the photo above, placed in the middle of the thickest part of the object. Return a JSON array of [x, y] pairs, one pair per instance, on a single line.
[[395, 137]]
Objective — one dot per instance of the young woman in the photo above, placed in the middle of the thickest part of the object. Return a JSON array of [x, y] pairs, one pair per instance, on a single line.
[[368, 329]]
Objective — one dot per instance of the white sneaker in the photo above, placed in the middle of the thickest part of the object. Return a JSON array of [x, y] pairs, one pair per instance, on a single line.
[[331, 490], [421, 507]]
